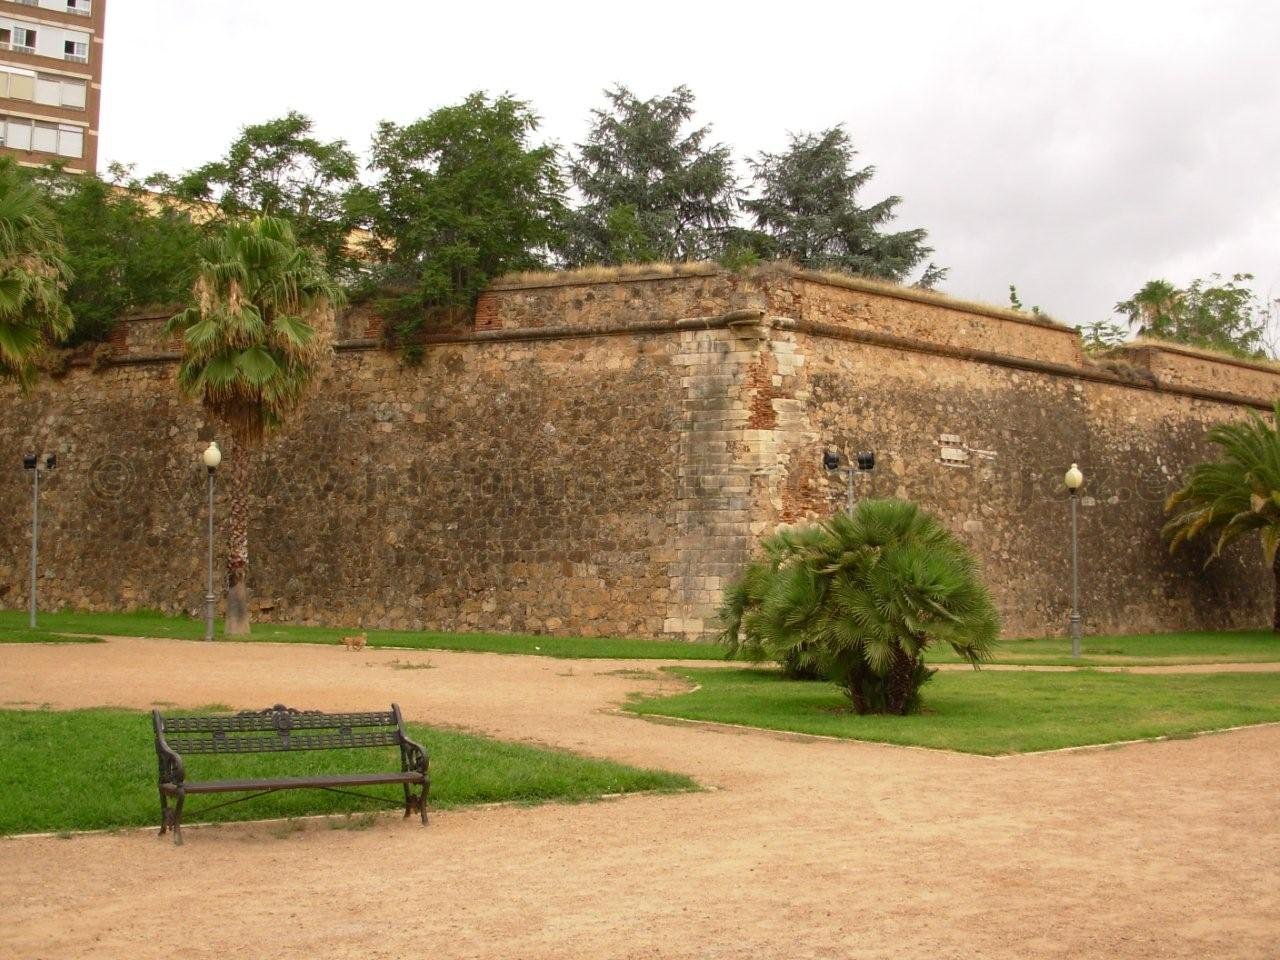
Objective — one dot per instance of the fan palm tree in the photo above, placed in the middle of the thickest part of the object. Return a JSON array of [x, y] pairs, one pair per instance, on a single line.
[[250, 349], [32, 276], [859, 598], [1236, 496], [1151, 311]]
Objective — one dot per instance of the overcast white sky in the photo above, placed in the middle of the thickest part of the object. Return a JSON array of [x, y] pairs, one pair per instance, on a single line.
[[1076, 150]]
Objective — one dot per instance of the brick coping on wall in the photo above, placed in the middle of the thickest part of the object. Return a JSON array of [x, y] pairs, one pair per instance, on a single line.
[[1213, 356], [811, 328], [585, 278]]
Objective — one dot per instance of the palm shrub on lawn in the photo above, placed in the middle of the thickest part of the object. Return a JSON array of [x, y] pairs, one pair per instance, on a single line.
[[1236, 496], [858, 599]]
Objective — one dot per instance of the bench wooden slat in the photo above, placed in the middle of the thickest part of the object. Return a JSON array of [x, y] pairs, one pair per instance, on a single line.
[[289, 783], [253, 722], [283, 743]]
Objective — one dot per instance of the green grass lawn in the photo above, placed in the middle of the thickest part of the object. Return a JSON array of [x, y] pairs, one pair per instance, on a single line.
[[27, 635], [1172, 648], [92, 769], [987, 712], [1236, 646], [150, 624]]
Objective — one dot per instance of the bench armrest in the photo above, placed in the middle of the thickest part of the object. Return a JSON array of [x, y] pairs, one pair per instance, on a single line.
[[172, 769], [412, 753]]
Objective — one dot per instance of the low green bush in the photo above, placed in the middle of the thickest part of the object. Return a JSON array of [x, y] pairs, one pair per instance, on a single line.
[[858, 599]]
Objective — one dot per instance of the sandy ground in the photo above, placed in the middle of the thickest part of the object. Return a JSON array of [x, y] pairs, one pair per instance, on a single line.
[[803, 849]]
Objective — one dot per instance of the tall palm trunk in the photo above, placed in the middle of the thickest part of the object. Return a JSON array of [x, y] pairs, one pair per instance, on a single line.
[[1275, 606], [240, 470]]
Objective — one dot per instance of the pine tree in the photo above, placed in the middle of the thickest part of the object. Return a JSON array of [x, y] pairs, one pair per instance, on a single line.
[[805, 203], [651, 188]]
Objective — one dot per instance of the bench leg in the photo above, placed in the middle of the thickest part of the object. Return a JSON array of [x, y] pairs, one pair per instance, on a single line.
[[422, 801], [164, 814], [177, 819], [408, 800]]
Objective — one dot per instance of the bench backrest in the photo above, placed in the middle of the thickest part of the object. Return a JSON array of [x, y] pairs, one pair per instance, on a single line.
[[279, 729]]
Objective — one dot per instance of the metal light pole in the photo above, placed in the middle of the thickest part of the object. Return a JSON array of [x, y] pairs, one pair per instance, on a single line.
[[833, 460], [1074, 480], [212, 456], [32, 462]]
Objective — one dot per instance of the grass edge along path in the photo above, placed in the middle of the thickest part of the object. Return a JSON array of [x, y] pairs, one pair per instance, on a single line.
[[161, 626], [1244, 646], [95, 769], [27, 635], [987, 713]]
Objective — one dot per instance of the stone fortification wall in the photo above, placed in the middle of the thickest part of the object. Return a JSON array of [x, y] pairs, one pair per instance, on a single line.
[[599, 453]]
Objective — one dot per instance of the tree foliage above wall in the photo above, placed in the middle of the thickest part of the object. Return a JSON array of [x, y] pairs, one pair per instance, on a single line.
[[805, 203], [1218, 314], [459, 197], [281, 169], [126, 247], [653, 188], [471, 191]]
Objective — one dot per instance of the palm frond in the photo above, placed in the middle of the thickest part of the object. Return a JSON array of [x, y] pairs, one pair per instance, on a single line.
[[1236, 495], [250, 348]]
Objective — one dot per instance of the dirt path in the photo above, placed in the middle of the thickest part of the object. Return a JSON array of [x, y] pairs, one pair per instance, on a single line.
[[804, 850]]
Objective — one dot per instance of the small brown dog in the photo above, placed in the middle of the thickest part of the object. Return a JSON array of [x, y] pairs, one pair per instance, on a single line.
[[356, 642]]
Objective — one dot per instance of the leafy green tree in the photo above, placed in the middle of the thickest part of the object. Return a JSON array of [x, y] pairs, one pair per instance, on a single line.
[[253, 339], [859, 598], [651, 188], [460, 197], [1220, 315], [281, 169], [33, 274], [805, 201], [126, 246], [1235, 496]]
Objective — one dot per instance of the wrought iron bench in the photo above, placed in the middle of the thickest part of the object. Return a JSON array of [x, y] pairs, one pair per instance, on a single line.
[[281, 729]]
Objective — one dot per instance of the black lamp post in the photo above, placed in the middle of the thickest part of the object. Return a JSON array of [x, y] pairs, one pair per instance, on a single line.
[[212, 456], [1073, 481], [32, 462]]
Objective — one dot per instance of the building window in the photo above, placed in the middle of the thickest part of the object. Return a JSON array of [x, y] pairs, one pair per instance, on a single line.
[[49, 91], [76, 51], [44, 137], [70, 142], [17, 134], [20, 39], [73, 94], [82, 7], [43, 88], [17, 85], [61, 139]]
